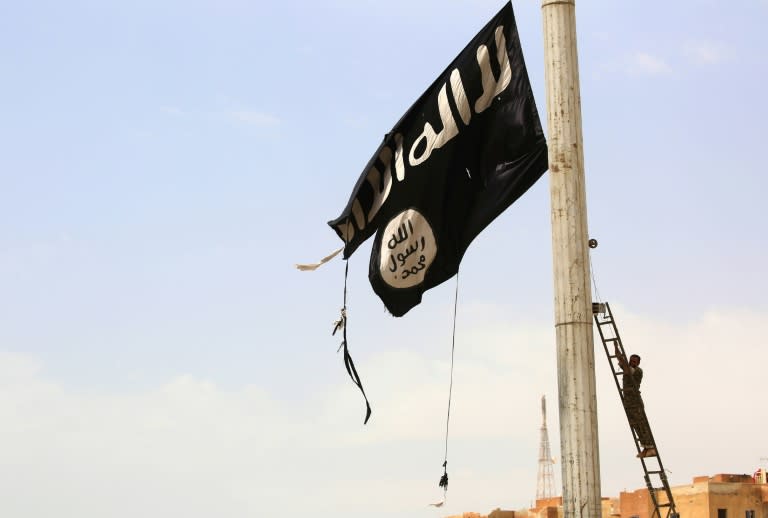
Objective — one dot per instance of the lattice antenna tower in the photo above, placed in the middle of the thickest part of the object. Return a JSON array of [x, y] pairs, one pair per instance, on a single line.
[[545, 486]]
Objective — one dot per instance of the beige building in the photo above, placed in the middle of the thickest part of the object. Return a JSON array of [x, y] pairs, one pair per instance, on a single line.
[[553, 508], [720, 496], [545, 508], [496, 513]]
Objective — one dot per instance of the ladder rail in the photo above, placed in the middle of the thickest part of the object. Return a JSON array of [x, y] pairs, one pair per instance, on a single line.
[[619, 355]]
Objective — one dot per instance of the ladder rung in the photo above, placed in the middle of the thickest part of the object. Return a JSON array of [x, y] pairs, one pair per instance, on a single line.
[[605, 322], [659, 472], [611, 340]]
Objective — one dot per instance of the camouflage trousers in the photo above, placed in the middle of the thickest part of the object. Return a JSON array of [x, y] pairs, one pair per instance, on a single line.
[[638, 420]]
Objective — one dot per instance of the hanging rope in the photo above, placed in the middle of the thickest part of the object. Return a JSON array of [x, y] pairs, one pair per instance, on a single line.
[[341, 323], [594, 281], [444, 479]]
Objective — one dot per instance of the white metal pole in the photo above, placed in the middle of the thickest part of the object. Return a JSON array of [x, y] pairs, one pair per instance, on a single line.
[[573, 299]]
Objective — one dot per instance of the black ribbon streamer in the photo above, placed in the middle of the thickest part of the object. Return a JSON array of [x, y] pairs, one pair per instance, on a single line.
[[348, 363]]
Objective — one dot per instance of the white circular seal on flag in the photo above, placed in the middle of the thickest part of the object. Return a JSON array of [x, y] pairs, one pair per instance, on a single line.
[[407, 249]]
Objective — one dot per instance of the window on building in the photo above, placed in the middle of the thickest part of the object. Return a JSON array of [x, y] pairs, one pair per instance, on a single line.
[[722, 513], [750, 513]]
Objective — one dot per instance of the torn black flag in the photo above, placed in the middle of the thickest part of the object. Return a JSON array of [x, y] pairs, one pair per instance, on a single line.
[[468, 147]]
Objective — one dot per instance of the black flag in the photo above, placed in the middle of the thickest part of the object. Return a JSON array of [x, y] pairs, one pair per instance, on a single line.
[[468, 147]]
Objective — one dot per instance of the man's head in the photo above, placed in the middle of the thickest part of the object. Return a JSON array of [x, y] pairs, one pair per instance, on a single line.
[[634, 360]]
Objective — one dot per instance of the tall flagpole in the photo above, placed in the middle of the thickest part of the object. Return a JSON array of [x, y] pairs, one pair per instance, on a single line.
[[573, 300]]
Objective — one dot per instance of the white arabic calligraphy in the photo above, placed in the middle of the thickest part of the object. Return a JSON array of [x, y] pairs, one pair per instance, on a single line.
[[407, 249], [429, 140]]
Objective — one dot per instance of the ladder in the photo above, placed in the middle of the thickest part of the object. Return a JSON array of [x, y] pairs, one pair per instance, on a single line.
[[655, 475]]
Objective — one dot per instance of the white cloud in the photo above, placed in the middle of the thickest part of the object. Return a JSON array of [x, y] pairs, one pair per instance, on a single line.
[[255, 118], [642, 63], [704, 52], [192, 448]]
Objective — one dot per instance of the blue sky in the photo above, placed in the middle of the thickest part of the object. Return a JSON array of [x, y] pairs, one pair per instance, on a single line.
[[164, 164]]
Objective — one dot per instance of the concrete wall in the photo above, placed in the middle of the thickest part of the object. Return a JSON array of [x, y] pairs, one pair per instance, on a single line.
[[635, 503], [611, 508], [736, 498], [547, 508], [496, 513], [692, 501]]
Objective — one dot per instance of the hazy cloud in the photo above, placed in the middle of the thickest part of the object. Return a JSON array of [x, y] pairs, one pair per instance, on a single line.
[[255, 118], [704, 52], [642, 63], [190, 447]]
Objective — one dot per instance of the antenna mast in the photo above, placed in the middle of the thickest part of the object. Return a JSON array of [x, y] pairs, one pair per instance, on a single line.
[[545, 486]]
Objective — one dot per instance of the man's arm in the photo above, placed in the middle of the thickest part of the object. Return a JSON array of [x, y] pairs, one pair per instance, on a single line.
[[620, 357]]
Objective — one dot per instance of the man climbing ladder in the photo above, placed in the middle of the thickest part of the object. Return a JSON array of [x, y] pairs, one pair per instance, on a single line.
[[629, 390], [633, 401]]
